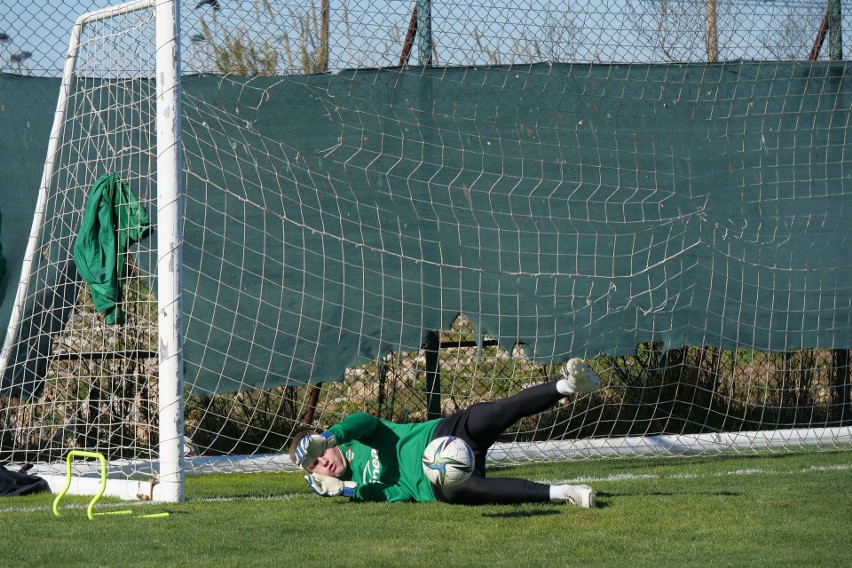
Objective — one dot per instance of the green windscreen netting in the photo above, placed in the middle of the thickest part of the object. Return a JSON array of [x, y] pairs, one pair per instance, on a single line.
[[574, 209]]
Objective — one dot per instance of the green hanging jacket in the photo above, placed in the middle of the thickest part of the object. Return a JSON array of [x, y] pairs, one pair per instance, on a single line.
[[112, 221]]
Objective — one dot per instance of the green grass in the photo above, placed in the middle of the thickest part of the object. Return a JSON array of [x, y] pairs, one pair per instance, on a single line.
[[787, 510]]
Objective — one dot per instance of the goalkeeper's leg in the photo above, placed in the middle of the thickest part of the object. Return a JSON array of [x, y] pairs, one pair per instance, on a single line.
[[481, 424], [480, 490]]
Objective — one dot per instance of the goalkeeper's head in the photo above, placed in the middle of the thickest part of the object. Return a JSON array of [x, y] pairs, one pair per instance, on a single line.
[[331, 462]]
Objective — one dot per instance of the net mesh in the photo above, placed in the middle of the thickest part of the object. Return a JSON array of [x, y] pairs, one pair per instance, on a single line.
[[410, 241]]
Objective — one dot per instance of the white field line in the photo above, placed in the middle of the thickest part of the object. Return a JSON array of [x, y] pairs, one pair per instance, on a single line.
[[137, 504], [606, 479], [737, 472]]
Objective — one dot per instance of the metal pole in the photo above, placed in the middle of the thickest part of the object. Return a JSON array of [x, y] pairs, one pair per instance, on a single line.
[[424, 32], [432, 352], [835, 41], [409, 39], [820, 38], [712, 37]]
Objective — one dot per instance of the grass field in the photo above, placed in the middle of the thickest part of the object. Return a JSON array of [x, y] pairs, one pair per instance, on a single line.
[[787, 510]]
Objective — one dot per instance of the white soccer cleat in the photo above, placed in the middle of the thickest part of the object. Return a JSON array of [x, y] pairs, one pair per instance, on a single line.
[[580, 495], [580, 377]]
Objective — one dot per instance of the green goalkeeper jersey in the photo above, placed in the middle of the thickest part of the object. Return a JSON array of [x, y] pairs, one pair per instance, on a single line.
[[385, 458]]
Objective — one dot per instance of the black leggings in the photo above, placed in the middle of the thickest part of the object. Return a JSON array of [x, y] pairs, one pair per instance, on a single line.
[[480, 425]]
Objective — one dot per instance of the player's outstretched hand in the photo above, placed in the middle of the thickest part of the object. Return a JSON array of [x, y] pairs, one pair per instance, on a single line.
[[311, 447], [328, 486]]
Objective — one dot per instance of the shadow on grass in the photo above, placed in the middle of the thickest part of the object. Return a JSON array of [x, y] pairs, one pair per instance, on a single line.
[[546, 510], [669, 494], [524, 513]]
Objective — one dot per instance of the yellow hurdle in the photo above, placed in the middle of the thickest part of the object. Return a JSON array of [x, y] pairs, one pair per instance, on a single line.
[[90, 510]]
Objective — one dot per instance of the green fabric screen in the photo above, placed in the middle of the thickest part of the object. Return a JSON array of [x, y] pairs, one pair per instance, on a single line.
[[575, 209]]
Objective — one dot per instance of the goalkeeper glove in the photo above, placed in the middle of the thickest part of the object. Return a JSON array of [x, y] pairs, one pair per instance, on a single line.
[[328, 486], [311, 447]]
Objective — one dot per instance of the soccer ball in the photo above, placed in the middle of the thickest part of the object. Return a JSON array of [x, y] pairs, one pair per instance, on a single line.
[[448, 461]]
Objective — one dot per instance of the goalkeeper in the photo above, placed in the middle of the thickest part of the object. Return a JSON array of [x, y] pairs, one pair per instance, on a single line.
[[369, 459]]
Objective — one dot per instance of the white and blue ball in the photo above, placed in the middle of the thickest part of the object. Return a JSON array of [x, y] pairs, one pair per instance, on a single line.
[[448, 461]]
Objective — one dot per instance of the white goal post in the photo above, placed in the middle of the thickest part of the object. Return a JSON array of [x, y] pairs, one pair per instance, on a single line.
[[169, 247]]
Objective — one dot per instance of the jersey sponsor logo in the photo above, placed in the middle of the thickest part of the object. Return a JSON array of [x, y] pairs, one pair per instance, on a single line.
[[372, 469]]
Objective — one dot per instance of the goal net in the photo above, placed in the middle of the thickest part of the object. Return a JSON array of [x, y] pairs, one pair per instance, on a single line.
[[414, 238]]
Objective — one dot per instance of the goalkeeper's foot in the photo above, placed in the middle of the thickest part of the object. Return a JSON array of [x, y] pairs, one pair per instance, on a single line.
[[580, 495], [578, 377]]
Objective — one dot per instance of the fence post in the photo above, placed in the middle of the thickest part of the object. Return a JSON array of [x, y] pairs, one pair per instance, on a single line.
[[432, 349], [424, 32], [835, 41], [842, 386]]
